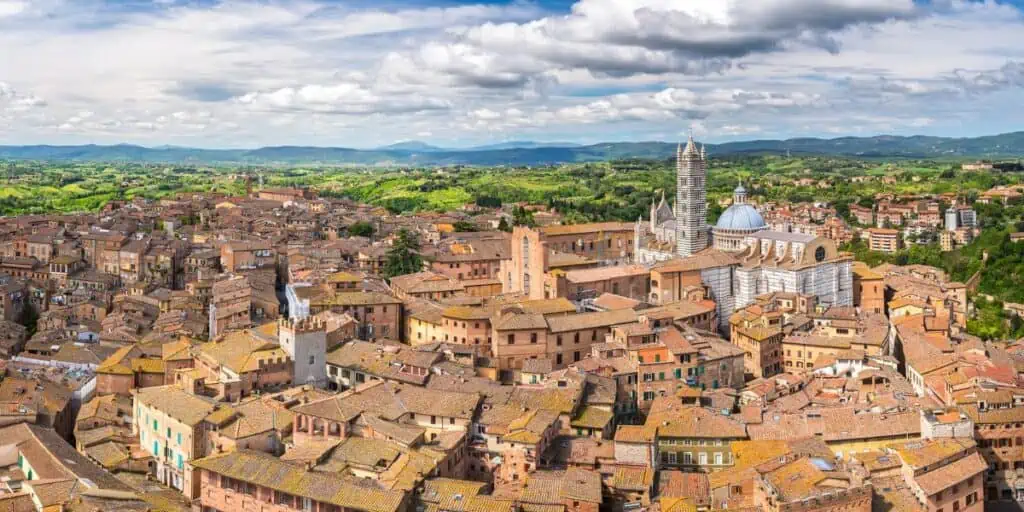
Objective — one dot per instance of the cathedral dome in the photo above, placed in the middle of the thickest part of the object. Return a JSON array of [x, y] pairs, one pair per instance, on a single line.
[[741, 216]]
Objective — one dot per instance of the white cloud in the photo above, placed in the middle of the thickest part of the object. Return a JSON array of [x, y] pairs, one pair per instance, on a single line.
[[12, 100], [255, 72], [340, 98], [10, 8]]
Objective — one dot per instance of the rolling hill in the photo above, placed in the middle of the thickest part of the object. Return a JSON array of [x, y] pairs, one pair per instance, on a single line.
[[1009, 145]]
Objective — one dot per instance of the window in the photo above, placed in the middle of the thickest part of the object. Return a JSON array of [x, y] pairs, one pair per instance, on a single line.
[[703, 459], [687, 458], [558, 340], [576, 356], [511, 339], [179, 438], [718, 459], [156, 426], [312, 360], [433, 420], [533, 338], [576, 338], [558, 359], [661, 375]]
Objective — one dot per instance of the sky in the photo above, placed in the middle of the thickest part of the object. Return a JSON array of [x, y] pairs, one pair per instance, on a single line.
[[455, 73]]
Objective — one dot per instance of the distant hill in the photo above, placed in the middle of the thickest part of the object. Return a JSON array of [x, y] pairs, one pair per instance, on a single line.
[[1009, 145], [411, 145], [523, 144]]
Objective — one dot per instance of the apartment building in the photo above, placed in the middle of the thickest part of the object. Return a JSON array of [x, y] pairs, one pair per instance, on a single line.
[[884, 240], [169, 424]]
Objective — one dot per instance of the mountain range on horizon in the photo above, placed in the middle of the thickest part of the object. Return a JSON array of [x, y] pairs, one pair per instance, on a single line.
[[528, 153]]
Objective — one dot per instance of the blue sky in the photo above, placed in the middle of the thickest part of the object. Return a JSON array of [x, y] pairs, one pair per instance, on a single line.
[[246, 73]]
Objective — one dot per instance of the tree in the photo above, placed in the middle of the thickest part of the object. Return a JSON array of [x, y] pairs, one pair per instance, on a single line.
[[488, 202], [522, 217], [462, 226], [503, 225], [28, 318], [404, 256], [362, 228]]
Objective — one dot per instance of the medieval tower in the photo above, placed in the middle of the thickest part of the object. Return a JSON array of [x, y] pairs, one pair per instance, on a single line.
[[305, 341], [691, 200]]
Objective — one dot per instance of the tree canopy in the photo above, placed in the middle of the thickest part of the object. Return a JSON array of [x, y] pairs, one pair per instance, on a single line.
[[404, 255]]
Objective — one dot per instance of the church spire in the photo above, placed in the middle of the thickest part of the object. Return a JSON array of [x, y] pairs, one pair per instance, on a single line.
[[691, 147]]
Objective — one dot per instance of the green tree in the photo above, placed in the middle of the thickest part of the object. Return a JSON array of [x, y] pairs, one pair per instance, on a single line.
[[504, 226], [404, 255], [522, 217], [488, 202], [29, 318], [362, 228], [462, 226]]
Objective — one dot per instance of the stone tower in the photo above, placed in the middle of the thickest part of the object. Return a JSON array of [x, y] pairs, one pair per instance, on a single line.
[[305, 341], [691, 200]]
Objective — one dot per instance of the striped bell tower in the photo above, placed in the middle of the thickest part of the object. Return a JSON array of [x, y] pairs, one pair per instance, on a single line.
[[691, 200]]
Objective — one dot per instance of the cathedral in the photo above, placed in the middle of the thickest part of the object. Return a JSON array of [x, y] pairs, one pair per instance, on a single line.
[[683, 230], [764, 261]]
